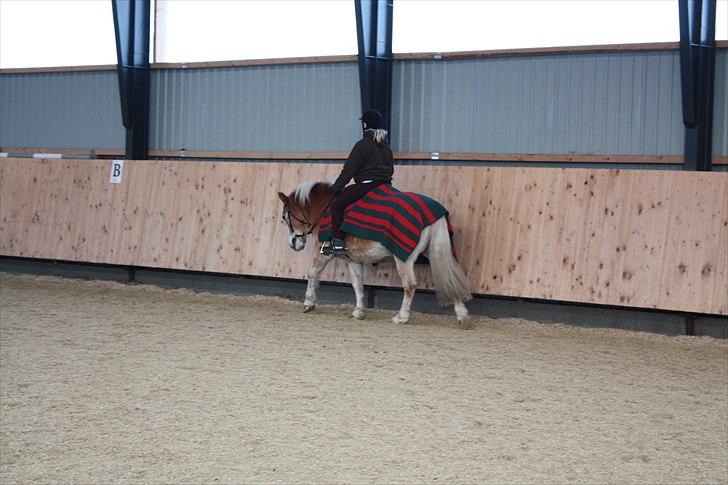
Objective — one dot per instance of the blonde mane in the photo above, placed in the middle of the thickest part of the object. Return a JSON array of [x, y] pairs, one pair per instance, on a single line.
[[303, 192]]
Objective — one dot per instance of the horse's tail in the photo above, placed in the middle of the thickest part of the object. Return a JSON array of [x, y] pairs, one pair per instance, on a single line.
[[451, 283]]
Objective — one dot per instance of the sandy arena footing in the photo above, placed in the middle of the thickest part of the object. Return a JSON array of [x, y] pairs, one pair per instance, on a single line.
[[105, 382]]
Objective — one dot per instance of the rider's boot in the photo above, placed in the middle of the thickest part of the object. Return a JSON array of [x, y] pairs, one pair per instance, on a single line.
[[334, 247]]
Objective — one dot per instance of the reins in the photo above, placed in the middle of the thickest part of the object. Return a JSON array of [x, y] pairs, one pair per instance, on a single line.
[[311, 226]]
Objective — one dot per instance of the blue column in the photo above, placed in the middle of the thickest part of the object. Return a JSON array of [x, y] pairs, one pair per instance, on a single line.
[[131, 26], [697, 68], [374, 36]]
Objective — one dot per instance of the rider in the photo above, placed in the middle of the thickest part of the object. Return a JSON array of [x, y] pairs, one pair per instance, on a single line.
[[370, 164]]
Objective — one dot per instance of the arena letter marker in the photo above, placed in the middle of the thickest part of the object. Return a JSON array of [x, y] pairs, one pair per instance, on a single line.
[[117, 171]]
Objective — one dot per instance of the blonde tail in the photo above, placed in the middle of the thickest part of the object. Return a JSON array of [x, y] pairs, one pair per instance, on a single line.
[[451, 283]]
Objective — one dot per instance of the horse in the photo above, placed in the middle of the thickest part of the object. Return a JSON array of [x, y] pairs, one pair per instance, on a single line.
[[303, 210]]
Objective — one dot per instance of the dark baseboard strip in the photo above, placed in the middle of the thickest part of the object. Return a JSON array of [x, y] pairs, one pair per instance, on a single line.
[[654, 321]]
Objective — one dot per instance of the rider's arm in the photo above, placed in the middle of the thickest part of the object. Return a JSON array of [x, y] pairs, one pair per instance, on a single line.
[[351, 167]]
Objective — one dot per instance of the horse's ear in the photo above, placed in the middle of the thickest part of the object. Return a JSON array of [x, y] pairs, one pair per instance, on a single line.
[[283, 197]]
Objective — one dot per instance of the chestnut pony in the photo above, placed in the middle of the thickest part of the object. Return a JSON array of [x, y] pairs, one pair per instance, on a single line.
[[302, 211]]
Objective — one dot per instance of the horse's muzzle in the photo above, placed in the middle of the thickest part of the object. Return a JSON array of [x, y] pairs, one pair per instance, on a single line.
[[297, 243]]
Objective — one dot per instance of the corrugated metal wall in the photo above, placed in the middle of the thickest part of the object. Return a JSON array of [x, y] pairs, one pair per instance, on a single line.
[[626, 104], [720, 105], [61, 110], [310, 107]]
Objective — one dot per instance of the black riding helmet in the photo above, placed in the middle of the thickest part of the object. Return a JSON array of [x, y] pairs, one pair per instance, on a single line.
[[373, 119]]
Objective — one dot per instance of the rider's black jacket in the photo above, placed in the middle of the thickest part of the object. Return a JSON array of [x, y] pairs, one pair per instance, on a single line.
[[368, 160]]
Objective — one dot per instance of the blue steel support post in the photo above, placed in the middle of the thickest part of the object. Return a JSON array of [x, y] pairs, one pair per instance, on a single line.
[[132, 27], [374, 37], [697, 67]]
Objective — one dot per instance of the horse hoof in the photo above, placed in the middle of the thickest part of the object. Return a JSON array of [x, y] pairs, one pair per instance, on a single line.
[[358, 314], [465, 322], [399, 320], [308, 308]]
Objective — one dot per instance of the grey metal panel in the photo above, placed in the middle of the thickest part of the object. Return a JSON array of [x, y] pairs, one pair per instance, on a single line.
[[720, 104], [625, 103], [61, 110], [310, 107]]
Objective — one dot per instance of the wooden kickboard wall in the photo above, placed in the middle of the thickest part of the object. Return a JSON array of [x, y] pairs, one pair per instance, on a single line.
[[636, 238]]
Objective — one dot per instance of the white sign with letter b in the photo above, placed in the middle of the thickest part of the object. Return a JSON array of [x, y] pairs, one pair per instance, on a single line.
[[117, 171]]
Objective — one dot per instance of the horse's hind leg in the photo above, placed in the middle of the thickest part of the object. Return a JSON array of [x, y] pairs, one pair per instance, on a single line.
[[409, 284], [461, 312], [357, 281], [319, 263]]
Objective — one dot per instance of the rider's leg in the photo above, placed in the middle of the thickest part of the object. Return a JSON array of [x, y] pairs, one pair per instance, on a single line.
[[348, 196]]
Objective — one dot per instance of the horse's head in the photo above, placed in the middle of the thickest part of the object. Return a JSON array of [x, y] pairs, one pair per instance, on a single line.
[[302, 211]]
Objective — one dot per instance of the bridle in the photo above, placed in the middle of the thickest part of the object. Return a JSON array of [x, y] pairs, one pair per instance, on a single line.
[[311, 226]]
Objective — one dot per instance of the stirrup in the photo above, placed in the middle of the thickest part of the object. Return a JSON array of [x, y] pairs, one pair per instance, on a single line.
[[331, 248]]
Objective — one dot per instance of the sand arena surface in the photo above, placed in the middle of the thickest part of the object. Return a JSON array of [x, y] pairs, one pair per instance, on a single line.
[[104, 382]]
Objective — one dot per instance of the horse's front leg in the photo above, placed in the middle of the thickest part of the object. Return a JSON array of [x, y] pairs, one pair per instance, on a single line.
[[319, 263], [357, 281]]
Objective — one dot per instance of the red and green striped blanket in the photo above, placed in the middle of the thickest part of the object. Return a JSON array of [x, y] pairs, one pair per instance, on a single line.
[[393, 218]]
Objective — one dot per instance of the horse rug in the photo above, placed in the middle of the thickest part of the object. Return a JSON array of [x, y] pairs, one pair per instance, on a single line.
[[393, 218]]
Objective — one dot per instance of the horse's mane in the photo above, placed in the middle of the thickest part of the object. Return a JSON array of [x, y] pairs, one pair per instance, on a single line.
[[303, 192]]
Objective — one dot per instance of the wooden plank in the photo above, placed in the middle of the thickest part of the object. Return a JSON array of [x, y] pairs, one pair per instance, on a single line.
[[31, 150], [251, 155], [256, 62], [635, 238], [35, 70], [450, 156], [561, 158], [110, 152], [66, 151], [453, 156], [535, 51], [457, 55]]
